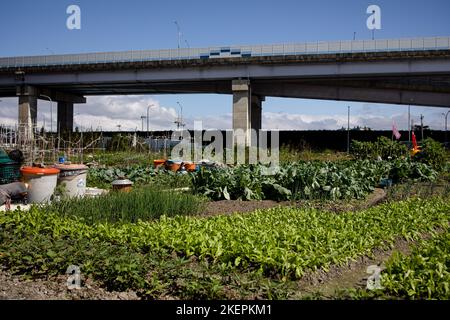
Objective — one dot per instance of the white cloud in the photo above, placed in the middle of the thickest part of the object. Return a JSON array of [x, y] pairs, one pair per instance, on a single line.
[[109, 111]]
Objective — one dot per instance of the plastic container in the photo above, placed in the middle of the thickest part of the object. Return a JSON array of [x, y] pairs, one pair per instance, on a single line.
[[9, 172], [9, 169], [190, 166], [159, 162], [41, 183], [386, 183], [173, 165], [122, 185], [72, 178]]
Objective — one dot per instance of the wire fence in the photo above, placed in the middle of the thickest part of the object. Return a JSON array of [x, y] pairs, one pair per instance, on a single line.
[[320, 47], [40, 146]]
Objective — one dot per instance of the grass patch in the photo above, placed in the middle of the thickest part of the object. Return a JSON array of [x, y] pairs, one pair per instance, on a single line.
[[146, 203]]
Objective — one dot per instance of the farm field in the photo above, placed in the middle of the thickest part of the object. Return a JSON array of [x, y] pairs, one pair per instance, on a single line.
[[308, 231]]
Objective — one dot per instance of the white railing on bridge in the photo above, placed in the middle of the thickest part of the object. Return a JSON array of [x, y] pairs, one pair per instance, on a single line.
[[332, 47]]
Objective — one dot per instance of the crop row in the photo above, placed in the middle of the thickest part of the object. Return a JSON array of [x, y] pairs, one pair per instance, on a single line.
[[284, 241], [145, 203], [306, 180], [138, 174], [424, 274]]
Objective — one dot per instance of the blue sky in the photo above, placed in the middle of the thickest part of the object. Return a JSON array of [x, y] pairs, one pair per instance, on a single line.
[[39, 27]]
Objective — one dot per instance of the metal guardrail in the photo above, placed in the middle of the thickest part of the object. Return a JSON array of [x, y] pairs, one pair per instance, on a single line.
[[414, 44]]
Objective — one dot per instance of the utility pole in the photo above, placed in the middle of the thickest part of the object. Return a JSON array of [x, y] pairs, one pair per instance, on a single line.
[[142, 120], [348, 130], [409, 122], [179, 33], [446, 115], [148, 107], [51, 111], [179, 121], [421, 126]]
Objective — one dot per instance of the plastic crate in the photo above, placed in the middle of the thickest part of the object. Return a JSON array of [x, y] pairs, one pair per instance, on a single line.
[[9, 172]]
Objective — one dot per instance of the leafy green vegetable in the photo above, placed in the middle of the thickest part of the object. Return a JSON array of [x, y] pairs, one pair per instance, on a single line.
[[283, 241], [306, 180], [424, 274]]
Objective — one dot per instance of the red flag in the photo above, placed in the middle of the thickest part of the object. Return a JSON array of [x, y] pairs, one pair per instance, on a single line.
[[395, 131], [414, 141]]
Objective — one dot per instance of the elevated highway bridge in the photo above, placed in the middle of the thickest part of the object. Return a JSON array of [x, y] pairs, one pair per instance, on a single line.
[[397, 71]]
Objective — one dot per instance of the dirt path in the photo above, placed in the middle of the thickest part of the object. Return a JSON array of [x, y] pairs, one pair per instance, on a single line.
[[233, 206], [13, 287], [352, 275]]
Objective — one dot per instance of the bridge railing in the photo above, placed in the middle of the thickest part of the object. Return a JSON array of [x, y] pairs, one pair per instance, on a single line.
[[319, 47]]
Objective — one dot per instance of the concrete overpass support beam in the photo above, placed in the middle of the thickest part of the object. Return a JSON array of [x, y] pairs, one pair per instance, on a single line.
[[65, 116], [246, 112], [27, 117], [256, 112], [27, 112]]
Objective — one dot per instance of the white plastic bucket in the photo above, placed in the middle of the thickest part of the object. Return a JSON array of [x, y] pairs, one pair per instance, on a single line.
[[72, 179], [41, 183]]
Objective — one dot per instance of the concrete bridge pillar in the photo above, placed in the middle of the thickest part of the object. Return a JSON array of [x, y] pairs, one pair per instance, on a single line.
[[246, 112], [27, 112], [65, 116], [28, 97]]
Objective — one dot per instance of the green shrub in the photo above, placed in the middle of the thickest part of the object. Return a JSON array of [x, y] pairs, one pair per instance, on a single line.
[[404, 170], [432, 153], [383, 147]]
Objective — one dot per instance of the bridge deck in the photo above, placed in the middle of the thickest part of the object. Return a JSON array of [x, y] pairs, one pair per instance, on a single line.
[[227, 52]]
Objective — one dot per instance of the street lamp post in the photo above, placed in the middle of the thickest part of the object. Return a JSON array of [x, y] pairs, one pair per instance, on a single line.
[[148, 107], [179, 33], [446, 115], [348, 130], [142, 120], [51, 111], [409, 123], [181, 115]]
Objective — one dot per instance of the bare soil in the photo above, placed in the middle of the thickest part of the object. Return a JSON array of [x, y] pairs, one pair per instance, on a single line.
[[238, 206]]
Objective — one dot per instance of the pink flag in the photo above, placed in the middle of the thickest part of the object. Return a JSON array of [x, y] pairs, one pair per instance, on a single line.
[[395, 131]]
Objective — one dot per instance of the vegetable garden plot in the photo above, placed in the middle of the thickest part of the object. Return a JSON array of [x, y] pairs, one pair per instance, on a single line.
[[282, 241]]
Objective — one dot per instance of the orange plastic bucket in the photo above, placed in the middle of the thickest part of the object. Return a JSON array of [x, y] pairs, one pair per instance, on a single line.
[[173, 166], [159, 162], [190, 166], [39, 171]]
